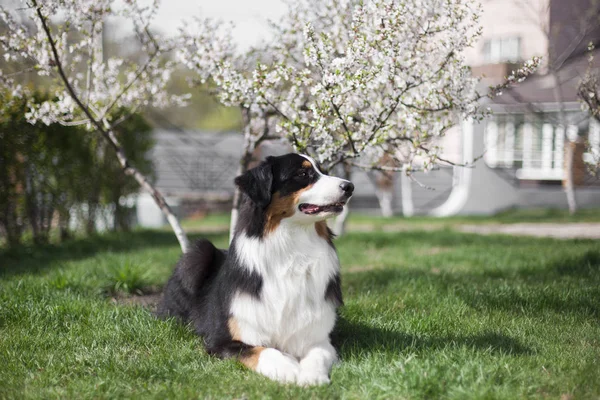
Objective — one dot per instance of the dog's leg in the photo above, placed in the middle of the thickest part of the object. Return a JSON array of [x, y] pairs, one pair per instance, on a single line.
[[316, 364], [265, 360], [272, 363]]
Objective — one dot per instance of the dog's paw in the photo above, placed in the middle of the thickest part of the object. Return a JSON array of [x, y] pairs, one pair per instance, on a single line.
[[312, 378], [277, 366]]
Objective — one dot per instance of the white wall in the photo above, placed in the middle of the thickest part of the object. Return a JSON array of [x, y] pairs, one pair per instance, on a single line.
[[507, 18], [149, 214]]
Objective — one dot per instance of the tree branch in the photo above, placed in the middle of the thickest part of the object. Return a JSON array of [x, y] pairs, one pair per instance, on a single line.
[[139, 73], [109, 135], [348, 133]]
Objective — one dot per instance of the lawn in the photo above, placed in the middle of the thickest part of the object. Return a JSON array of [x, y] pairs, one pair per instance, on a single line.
[[428, 314], [363, 222]]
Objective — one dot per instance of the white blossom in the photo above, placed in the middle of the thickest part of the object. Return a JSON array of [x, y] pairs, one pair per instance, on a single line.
[[348, 79], [103, 85]]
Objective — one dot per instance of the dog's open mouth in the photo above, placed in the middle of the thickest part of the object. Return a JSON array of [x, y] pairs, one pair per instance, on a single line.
[[311, 209]]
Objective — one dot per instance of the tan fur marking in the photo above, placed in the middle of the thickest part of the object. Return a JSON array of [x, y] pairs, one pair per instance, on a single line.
[[321, 228], [307, 164], [234, 329], [280, 208], [250, 360]]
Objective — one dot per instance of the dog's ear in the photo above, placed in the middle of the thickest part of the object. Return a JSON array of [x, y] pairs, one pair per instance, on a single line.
[[257, 183]]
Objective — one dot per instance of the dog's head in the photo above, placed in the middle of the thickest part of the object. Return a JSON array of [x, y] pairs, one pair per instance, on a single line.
[[292, 186]]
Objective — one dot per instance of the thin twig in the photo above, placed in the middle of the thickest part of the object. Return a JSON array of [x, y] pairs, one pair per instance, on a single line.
[[348, 133]]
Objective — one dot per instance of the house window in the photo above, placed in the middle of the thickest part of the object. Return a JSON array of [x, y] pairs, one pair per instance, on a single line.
[[497, 50], [534, 145]]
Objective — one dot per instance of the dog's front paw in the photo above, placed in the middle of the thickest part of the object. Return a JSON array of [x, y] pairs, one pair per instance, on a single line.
[[277, 366], [312, 378]]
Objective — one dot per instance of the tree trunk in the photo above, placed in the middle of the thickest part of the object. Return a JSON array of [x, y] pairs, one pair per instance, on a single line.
[[385, 197], [11, 189], [121, 218], [11, 223], [570, 147], [92, 213], [90, 220], [47, 214], [235, 210], [339, 223], [63, 224], [160, 202], [159, 199], [32, 203], [569, 175], [237, 195], [249, 148], [384, 190], [121, 214], [406, 194]]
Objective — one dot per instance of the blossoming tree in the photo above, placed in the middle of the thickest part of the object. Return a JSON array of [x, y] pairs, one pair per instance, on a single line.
[[62, 40], [347, 81], [589, 94], [352, 81]]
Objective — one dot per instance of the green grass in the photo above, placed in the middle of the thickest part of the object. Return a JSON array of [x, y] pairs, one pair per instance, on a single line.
[[432, 315], [210, 221], [539, 215], [362, 222], [127, 277]]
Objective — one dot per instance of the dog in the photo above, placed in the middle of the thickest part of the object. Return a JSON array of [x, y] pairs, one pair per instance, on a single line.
[[271, 299]]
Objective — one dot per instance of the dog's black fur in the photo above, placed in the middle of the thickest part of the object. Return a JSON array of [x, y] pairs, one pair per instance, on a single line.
[[200, 290]]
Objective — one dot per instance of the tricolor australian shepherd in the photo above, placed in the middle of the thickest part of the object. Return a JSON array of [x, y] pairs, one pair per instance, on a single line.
[[270, 300]]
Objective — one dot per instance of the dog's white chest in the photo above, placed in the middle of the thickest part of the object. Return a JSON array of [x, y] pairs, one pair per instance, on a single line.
[[292, 312]]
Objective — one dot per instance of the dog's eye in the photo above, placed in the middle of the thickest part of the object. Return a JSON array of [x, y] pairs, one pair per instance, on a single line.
[[302, 173]]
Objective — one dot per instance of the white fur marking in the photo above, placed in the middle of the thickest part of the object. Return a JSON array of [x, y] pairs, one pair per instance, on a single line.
[[325, 191], [313, 162], [278, 366], [292, 313], [315, 366]]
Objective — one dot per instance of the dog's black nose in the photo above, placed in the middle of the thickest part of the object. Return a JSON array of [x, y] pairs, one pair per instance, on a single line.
[[347, 187]]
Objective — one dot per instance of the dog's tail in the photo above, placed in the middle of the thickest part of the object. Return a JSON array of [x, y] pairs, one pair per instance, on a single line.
[[192, 272]]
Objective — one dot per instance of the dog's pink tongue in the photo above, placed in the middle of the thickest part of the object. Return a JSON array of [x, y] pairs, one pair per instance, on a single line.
[[311, 208]]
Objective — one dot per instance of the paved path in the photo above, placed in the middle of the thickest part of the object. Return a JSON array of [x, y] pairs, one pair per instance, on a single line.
[[554, 230]]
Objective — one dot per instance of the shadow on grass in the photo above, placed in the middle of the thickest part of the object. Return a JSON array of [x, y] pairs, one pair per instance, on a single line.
[[554, 287], [551, 287], [584, 265], [31, 258], [354, 339]]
